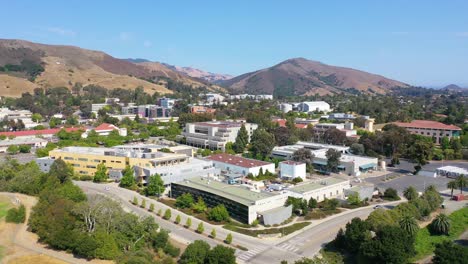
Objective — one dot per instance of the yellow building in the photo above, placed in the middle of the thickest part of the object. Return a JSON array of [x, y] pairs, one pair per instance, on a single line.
[[86, 159]]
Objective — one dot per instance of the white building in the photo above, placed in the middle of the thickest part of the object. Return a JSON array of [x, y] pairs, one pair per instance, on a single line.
[[321, 189], [104, 129], [292, 169], [236, 164], [14, 114], [285, 107], [212, 98], [432, 129], [251, 96], [351, 165], [214, 134], [319, 106], [34, 143]]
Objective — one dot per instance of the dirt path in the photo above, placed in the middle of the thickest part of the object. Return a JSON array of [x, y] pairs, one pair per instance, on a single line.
[[21, 246]]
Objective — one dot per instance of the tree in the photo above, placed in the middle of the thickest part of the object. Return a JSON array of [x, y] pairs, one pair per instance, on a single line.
[[135, 200], [445, 143], [410, 193], [441, 224], [213, 233], [357, 149], [13, 149], [448, 252], [334, 136], [282, 135], [195, 253], [36, 117], [167, 214], [462, 182], [433, 198], [381, 217], [312, 203], [228, 239], [452, 185], [357, 232], [303, 155], [151, 208], [101, 173], [61, 171], [188, 223], [390, 245], [16, 215], [159, 213], [200, 228], [200, 206], [221, 255], [219, 213], [177, 219], [184, 201], [242, 140], [354, 199], [333, 160], [155, 185], [106, 246], [409, 224], [143, 203], [128, 179], [391, 194], [262, 142], [24, 148]]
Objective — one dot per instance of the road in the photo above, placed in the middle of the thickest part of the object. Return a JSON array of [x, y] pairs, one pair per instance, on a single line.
[[306, 242]]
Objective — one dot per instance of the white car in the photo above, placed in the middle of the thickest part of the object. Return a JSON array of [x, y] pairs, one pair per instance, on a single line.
[[378, 206]]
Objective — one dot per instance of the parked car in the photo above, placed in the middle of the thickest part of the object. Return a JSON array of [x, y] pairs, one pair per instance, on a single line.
[[378, 206]]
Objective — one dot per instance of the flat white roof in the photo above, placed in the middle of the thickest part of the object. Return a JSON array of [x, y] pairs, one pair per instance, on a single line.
[[453, 169]]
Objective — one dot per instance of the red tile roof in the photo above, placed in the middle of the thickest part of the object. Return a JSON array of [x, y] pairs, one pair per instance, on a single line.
[[25, 133], [238, 161], [282, 123], [427, 124], [105, 126]]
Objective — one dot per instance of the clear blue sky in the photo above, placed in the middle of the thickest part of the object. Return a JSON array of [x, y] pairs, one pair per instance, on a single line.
[[419, 42]]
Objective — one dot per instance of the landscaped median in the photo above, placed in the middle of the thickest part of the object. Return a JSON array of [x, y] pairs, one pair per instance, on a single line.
[[425, 242], [284, 231]]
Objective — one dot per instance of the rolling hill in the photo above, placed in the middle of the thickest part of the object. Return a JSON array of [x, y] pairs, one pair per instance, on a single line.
[[26, 65], [201, 74], [300, 76]]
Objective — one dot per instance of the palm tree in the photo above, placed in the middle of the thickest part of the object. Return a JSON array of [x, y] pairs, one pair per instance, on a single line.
[[452, 185], [441, 224], [409, 224], [431, 188], [462, 182], [410, 193]]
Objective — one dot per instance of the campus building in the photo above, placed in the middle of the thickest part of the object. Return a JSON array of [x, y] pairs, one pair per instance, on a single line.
[[316, 106], [147, 111], [321, 189], [240, 165], [242, 204], [352, 165], [32, 142], [433, 129], [166, 102], [105, 129], [44, 133], [292, 169], [86, 159], [215, 134]]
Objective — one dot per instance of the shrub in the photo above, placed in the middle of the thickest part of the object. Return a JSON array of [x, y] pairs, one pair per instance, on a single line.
[[200, 228], [391, 195], [143, 203], [151, 208], [135, 200], [159, 213], [188, 223], [167, 214], [177, 219], [184, 201], [213, 233], [16, 215], [218, 213], [228, 239]]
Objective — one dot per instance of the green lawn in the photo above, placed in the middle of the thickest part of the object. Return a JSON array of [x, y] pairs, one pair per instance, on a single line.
[[425, 242], [3, 209]]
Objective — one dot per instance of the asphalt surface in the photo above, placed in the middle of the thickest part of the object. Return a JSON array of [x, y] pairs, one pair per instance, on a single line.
[[304, 243], [405, 180]]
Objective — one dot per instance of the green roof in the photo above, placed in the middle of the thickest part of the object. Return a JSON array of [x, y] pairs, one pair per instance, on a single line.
[[310, 186], [232, 192]]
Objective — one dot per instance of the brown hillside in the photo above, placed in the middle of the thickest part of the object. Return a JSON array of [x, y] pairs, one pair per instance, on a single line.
[[304, 77], [68, 65]]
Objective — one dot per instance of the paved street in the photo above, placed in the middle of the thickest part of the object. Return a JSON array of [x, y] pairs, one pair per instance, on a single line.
[[306, 242]]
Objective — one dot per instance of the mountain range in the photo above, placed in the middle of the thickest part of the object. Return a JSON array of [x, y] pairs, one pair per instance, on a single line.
[[300, 76], [26, 65]]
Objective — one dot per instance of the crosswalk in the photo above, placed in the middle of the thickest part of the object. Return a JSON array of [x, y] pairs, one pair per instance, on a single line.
[[245, 256], [291, 246]]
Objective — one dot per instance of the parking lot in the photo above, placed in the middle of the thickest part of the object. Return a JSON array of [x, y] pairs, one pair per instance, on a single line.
[[403, 182]]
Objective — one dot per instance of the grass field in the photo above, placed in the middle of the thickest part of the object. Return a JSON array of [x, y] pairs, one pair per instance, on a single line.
[[425, 242]]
